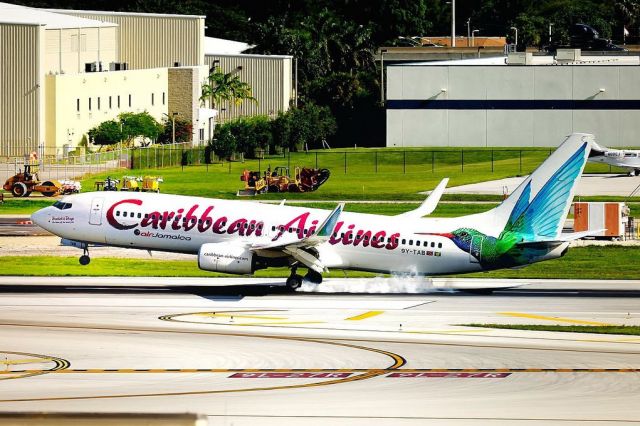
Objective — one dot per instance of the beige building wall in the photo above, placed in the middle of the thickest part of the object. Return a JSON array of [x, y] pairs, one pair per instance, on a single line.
[[21, 88], [270, 78], [153, 40], [77, 103], [69, 49]]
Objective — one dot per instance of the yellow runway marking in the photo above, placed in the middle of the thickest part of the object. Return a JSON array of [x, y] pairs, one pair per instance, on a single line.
[[556, 319], [24, 361], [364, 316]]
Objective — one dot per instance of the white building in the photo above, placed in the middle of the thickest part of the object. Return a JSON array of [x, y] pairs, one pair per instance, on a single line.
[[63, 72], [522, 100]]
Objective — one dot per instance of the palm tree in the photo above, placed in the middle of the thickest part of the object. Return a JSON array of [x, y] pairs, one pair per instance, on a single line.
[[227, 87]]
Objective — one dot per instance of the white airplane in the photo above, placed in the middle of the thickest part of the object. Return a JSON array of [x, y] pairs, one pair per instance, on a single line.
[[240, 237], [626, 158]]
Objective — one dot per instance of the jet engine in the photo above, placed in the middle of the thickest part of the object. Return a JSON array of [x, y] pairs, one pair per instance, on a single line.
[[228, 258]]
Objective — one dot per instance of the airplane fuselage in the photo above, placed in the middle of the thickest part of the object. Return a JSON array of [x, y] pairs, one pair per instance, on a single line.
[[183, 224]]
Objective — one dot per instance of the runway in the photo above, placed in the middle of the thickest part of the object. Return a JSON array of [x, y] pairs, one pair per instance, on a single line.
[[315, 358]]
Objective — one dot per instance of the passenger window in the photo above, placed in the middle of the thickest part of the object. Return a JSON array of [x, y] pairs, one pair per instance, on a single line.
[[118, 213], [433, 244], [410, 242], [139, 215], [404, 241], [439, 245]]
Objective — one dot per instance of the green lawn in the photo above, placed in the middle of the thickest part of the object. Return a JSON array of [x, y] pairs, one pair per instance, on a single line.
[[632, 330], [595, 262]]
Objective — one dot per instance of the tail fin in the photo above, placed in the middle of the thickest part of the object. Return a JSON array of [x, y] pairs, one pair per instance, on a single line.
[[536, 210]]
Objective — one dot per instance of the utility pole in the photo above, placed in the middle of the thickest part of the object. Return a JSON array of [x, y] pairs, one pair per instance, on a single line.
[[453, 23]]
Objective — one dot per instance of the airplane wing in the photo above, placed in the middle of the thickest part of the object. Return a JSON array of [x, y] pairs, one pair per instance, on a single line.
[[298, 248], [428, 205]]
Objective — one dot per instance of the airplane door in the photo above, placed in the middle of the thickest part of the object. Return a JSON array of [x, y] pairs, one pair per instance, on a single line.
[[95, 217], [476, 249]]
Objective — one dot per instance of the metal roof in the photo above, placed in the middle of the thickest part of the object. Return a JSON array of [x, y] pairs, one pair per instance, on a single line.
[[220, 46], [16, 14], [107, 12]]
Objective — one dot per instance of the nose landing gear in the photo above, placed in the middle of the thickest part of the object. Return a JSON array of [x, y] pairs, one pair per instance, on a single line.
[[85, 259]]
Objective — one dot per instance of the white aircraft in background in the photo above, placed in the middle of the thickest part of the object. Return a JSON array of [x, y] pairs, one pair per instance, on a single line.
[[626, 158], [240, 237]]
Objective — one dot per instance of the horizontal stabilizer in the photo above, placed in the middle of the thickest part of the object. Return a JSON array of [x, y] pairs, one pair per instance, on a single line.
[[428, 205]]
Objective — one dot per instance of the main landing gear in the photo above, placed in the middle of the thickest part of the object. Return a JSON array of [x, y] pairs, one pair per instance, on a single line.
[[85, 259], [295, 281]]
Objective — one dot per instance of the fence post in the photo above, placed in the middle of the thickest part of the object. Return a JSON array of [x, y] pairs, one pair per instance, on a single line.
[[316, 159], [376, 161], [345, 162], [520, 161], [404, 162], [433, 161], [491, 160], [462, 160]]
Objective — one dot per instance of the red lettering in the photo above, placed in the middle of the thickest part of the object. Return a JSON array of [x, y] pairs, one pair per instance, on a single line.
[[347, 239], [238, 226], [393, 241], [218, 225], [112, 220], [190, 220], [166, 217], [378, 239], [176, 220], [205, 220], [335, 236], [298, 222], [362, 237]]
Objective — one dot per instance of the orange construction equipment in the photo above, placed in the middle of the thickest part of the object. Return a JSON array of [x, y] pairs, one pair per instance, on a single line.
[[24, 183], [279, 180]]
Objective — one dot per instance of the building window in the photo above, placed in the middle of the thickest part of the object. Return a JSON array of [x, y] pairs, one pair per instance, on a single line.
[[129, 101], [118, 101], [98, 103], [89, 104], [153, 99], [163, 98], [110, 106], [78, 104]]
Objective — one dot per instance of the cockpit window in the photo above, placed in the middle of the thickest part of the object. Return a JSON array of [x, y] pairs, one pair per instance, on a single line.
[[62, 206]]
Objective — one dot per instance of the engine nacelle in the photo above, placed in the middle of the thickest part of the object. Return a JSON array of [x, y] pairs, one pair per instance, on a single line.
[[225, 257]]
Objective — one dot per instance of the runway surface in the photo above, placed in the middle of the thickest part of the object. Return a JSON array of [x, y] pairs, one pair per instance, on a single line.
[[316, 358]]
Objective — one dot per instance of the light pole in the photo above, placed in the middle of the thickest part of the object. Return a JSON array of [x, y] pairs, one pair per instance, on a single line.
[[468, 32], [453, 23], [550, 25], [173, 127], [516, 30], [473, 37]]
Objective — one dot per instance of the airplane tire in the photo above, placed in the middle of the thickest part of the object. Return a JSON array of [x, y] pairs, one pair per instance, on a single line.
[[313, 277], [294, 282], [84, 260]]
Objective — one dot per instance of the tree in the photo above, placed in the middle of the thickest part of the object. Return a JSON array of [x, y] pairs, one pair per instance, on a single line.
[[224, 144], [184, 131], [226, 87], [139, 125], [106, 133]]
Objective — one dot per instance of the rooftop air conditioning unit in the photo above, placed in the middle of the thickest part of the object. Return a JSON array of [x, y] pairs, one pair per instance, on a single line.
[[91, 67], [520, 58]]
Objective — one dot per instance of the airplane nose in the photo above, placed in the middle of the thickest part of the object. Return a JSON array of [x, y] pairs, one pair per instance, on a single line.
[[40, 217]]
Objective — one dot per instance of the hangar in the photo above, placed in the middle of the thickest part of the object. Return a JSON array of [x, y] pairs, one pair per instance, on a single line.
[[62, 72], [519, 100]]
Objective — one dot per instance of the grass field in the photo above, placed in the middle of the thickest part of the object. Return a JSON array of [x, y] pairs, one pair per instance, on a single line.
[[632, 330], [594, 262]]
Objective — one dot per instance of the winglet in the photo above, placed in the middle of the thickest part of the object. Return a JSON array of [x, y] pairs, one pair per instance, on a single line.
[[428, 205], [329, 223]]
